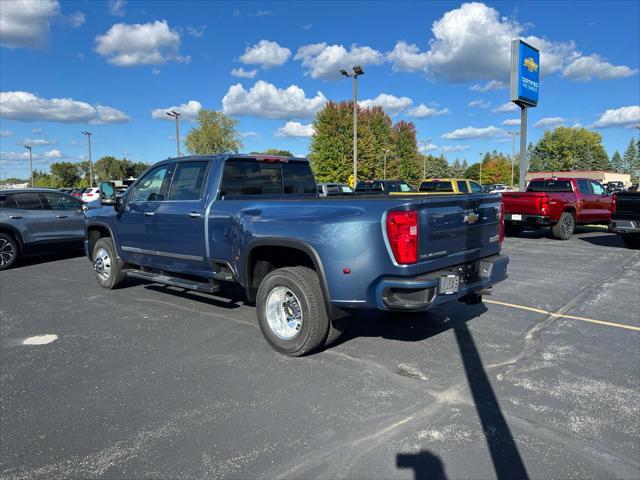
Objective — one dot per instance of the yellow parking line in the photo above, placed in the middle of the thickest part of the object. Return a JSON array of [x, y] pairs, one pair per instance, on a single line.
[[561, 315]]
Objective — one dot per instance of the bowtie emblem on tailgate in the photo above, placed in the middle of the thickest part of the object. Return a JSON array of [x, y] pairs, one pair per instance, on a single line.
[[470, 217]]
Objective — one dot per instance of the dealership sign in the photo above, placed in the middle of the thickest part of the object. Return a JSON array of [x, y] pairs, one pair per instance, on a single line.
[[525, 73]]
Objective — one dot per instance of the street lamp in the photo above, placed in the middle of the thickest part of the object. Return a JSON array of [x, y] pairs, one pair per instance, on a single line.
[[28, 147], [513, 151], [88, 134], [176, 115], [384, 170], [357, 71], [424, 161]]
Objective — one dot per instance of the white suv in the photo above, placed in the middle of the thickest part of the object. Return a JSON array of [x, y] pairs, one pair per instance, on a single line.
[[90, 194]]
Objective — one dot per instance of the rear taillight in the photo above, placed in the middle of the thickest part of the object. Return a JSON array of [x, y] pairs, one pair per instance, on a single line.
[[402, 231], [545, 204], [501, 220], [614, 203]]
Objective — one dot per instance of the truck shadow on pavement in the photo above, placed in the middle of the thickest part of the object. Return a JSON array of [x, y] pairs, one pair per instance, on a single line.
[[505, 456], [45, 256]]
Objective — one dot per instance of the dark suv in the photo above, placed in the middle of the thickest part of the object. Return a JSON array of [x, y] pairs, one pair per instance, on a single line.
[[31, 218]]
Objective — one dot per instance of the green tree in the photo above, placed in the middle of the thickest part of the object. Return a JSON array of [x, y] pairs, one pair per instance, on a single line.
[[631, 158], [216, 134], [331, 148], [65, 174], [42, 179], [458, 168], [565, 148], [407, 161], [618, 164], [275, 152], [109, 168], [436, 167]]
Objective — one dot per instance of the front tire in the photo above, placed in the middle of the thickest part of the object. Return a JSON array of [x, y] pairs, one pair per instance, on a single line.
[[291, 311], [9, 251], [106, 265], [563, 230]]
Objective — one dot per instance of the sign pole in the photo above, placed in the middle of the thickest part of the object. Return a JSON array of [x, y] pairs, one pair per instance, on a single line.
[[523, 148]]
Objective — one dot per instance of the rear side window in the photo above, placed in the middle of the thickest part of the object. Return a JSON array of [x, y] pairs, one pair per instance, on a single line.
[[583, 185], [28, 201], [261, 178], [369, 187], [550, 186], [436, 186], [476, 187], [60, 202], [462, 186], [188, 181], [7, 201]]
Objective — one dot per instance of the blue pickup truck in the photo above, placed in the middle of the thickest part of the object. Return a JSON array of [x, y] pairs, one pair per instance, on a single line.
[[306, 261]]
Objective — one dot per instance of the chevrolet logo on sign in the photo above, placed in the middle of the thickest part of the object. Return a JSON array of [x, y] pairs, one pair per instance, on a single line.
[[471, 218], [531, 64]]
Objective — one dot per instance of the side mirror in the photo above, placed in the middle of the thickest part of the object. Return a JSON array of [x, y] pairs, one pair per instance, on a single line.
[[107, 193]]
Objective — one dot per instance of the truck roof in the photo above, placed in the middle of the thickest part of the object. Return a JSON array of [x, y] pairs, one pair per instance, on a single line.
[[225, 156]]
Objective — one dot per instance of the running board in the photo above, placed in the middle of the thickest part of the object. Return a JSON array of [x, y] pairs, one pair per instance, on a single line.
[[209, 287]]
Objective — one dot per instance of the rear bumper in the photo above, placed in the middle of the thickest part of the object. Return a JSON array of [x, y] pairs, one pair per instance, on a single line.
[[423, 292], [531, 220], [625, 226]]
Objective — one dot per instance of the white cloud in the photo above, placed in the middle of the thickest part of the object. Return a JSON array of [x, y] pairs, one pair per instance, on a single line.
[[390, 103], [13, 156], [325, 61], [249, 134], [242, 73], [6, 133], [492, 85], [27, 107], [478, 104], [37, 131], [577, 125], [429, 148], [196, 32], [506, 107], [26, 23], [473, 42], [76, 19], [53, 154], [295, 129], [116, 8], [267, 101], [549, 122], [511, 121], [307, 26], [189, 111], [473, 132], [263, 13], [36, 142], [454, 148], [266, 54], [407, 57], [619, 117], [127, 45], [583, 69], [422, 111]]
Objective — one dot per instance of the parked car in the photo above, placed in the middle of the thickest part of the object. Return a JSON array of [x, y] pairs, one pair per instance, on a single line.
[[449, 185], [501, 188], [77, 193], [614, 186], [90, 194], [32, 218], [368, 187], [625, 217], [558, 203], [306, 261], [331, 189]]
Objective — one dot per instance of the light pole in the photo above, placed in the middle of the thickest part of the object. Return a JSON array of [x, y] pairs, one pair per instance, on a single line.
[[480, 168], [176, 115], [384, 170], [28, 147], [357, 71], [513, 151], [88, 134], [424, 161]]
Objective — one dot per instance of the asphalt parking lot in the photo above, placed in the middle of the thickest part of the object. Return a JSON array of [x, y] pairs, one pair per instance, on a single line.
[[542, 380]]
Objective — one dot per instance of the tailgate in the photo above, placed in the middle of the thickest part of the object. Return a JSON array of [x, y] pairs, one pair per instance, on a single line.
[[458, 224], [628, 204], [528, 203]]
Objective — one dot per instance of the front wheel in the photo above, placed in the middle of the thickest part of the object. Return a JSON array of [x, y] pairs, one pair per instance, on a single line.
[[563, 230], [291, 310], [106, 265]]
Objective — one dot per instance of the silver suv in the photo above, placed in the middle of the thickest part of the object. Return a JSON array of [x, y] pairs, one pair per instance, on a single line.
[[32, 218]]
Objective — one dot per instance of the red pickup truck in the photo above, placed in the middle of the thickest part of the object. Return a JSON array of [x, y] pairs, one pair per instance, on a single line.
[[559, 203]]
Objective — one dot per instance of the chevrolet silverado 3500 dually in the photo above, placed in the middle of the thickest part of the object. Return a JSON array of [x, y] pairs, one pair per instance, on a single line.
[[306, 261]]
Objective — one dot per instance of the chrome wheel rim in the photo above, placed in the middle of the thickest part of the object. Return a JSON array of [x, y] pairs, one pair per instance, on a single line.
[[102, 264], [567, 225], [7, 252], [284, 313]]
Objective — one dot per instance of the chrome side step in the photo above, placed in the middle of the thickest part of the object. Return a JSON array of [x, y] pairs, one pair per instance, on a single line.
[[208, 287]]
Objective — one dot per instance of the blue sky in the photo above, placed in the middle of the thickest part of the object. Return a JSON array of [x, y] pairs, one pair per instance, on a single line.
[[106, 66]]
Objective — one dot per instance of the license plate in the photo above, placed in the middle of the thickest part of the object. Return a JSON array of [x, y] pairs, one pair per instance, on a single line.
[[516, 216], [449, 284]]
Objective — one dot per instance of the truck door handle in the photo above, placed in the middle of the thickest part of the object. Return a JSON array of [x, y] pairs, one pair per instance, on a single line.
[[15, 217], [61, 216], [149, 214], [195, 214]]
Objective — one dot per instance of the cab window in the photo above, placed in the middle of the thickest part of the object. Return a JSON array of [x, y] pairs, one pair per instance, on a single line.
[[476, 187], [597, 189], [28, 201], [153, 186], [436, 186], [188, 181], [462, 186]]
